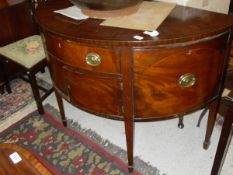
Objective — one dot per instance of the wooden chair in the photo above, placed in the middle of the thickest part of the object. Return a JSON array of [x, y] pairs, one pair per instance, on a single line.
[[229, 77], [225, 137], [228, 85], [29, 57]]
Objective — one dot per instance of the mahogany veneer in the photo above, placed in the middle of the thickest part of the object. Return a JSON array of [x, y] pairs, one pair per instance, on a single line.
[[104, 71], [28, 165]]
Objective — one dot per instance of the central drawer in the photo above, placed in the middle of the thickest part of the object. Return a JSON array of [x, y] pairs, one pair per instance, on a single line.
[[97, 59]]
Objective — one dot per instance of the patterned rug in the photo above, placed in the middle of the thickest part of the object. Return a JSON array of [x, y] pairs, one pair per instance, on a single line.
[[20, 97], [65, 151]]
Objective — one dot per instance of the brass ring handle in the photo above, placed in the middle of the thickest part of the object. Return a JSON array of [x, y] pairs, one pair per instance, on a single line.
[[187, 80], [93, 59]]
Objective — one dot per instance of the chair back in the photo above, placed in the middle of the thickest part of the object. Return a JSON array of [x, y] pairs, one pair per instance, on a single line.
[[15, 21], [33, 5], [36, 3]]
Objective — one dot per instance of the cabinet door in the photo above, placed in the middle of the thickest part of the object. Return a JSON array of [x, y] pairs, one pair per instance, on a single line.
[[92, 92], [159, 90], [56, 68], [96, 94]]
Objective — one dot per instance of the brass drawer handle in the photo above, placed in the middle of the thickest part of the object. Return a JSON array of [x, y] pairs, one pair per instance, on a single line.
[[187, 80], [93, 59]]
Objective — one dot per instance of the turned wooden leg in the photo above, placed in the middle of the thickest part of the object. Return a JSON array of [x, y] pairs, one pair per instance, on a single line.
[[61, 108], [36, 93], [224, 141], [211, 121]]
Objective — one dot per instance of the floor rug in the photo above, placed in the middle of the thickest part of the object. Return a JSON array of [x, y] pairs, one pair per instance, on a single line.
[[63, 150], [20, 97]]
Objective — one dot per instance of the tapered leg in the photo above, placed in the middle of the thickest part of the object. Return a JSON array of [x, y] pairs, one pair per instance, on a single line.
[[210, 123], [128, 106], [224, 141], [36, 93], [61, 108], [129, 130]]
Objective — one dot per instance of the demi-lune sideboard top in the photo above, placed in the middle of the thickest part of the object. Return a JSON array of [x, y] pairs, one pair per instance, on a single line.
[[183, 24], [191, 43]]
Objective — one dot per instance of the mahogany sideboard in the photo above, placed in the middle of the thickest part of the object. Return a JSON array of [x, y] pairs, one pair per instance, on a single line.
[[105, 71]]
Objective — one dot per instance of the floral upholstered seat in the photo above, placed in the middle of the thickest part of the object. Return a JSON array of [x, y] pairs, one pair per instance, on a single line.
[[28, 55], [27, 52]]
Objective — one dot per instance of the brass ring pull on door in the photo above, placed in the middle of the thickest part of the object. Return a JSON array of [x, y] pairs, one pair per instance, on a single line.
[[187, 80], [93, 59]]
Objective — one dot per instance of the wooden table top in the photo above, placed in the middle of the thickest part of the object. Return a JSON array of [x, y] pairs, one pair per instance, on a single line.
[[28, 165], [182, 24]]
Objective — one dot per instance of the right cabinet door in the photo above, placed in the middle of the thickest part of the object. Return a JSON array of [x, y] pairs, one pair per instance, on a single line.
[[169, 81]]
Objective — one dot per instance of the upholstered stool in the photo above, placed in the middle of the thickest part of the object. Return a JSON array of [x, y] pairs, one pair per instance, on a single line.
[[28, 54]]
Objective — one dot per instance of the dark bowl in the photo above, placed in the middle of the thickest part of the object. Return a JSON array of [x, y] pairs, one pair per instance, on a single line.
[[105, 4]]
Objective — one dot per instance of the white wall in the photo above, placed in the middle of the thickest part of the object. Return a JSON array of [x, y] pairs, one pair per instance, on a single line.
[[221, 6], [180, 2]]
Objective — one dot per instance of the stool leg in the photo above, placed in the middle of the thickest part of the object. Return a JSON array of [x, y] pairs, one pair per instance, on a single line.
[[61, 108], [36, 93], [3, 67], [7, 84], [8, 88], [2, 89]]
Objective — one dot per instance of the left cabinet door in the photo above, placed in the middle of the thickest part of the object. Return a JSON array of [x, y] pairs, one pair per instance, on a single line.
[[96, 94]]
